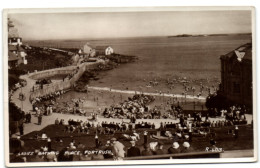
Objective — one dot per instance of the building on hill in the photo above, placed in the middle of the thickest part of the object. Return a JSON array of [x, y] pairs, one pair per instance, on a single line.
[[89, 50], [236, 75], [16, 53], [12, 59], [104, 50], [13, 49], [16, 56], [15, 41]]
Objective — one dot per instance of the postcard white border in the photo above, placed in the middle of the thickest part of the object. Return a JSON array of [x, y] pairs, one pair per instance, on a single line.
[[125, 9]]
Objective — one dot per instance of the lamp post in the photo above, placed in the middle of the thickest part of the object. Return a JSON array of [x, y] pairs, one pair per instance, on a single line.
[[96, 140], [145, 137], [190, 135], [49, 144], [236, 132]]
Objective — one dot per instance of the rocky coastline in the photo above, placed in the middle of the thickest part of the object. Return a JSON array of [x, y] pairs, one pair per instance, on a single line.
[[114, 61]]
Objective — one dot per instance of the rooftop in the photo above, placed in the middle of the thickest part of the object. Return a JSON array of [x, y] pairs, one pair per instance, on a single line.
[[101, 47], [91, 46], [243, 52], [12, 48], [15, 48]]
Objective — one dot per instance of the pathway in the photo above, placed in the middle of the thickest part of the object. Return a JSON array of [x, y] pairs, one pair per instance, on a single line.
[[47, 120], [26, 104]]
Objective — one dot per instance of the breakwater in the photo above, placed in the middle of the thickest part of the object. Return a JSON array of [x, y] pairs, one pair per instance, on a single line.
[[61, 85]]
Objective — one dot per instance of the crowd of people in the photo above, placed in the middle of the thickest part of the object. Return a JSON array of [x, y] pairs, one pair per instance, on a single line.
[[180, 133], [187, 123], [188, 85], [135, 106], [113, 149], [43, 102], [48, 97], [83, 127], [235, 114]]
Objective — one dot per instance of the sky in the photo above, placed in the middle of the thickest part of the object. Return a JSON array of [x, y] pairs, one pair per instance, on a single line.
[[51, 26]]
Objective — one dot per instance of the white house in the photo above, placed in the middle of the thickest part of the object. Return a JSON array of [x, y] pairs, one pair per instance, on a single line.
[[23, 55]]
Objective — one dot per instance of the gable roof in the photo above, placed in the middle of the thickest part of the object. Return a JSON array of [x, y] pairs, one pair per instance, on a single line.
[[15, 48], [12, 48], [247, 49], [243, 52], [101, 47], [87, 44]]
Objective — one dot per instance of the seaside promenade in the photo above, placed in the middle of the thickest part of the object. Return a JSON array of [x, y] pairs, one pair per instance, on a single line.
[[47, 120]]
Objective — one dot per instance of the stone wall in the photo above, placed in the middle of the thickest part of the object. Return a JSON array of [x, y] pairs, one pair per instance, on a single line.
[[62, 85], [51, 72]]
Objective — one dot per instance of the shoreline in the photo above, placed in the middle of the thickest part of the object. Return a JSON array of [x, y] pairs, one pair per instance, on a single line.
[[146, 93]]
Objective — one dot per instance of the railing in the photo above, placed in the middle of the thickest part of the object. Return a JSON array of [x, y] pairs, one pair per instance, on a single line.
[[49, 72], [192, 155]]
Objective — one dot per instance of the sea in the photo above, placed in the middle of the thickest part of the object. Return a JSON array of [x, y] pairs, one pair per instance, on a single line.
[[168, 61]]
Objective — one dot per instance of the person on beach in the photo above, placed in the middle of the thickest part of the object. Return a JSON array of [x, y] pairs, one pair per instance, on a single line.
[[40, 119]]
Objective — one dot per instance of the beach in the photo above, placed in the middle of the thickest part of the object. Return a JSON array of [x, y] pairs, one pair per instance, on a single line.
[[164, 67]]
